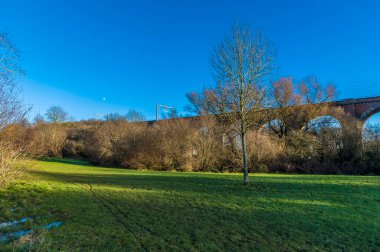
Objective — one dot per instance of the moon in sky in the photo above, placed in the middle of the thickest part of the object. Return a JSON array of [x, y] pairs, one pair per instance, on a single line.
[[103, 98]]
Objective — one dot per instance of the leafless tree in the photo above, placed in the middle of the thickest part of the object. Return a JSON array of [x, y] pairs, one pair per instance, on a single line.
[[293, 105], [134, 116], [12, 108], [38, 119], [56, 114], [240, 65], [315, 98], [12, 111], [49, 139]]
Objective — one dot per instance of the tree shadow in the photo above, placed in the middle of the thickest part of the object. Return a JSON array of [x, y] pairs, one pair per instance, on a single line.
[[206, 185], [66, 161]]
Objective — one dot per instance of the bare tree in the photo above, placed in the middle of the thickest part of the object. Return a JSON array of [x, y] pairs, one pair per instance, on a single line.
[[114, 117], [295, 104], [38, 119], [134, 116], [12, 108], [315, 98], [56, 114], [240, 65], [12, 112], [49, 139]]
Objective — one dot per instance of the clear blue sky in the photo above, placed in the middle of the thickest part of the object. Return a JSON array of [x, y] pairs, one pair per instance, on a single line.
[[94, 57]]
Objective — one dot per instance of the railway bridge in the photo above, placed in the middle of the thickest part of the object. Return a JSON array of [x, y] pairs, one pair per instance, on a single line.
[[360, 108]]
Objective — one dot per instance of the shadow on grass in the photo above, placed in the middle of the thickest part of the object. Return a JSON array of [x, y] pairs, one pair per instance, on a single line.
[[147, 181], [66, 161], [225, 186]]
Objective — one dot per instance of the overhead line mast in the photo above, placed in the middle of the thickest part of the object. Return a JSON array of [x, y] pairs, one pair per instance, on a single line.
[[164, 107]]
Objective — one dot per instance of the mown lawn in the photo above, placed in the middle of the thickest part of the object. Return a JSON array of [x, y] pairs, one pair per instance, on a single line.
[[105, 209]]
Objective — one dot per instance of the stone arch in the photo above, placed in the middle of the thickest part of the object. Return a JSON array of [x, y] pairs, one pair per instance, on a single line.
[[265, 126], [374, 109], [318, 123], [371, 130]]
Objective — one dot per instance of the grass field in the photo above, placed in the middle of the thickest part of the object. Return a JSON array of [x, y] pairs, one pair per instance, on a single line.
[[105, 209]]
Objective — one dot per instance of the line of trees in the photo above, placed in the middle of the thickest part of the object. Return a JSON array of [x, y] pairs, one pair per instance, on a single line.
[[204, 144]]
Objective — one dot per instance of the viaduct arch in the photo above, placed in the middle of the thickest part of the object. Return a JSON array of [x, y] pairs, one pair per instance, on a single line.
[[360, 108]]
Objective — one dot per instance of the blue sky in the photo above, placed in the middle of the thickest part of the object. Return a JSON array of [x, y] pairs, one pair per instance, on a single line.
[[96, 57]]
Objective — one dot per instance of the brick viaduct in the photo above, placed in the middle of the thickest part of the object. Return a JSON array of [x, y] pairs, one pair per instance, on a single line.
[[360, 108]]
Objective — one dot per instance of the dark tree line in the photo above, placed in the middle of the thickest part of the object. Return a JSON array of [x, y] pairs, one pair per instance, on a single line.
[[205, 144]]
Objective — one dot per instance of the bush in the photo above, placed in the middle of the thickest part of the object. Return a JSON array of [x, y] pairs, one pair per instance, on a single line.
[[261, 168], [201, 144], [14, 148], [49, 139]]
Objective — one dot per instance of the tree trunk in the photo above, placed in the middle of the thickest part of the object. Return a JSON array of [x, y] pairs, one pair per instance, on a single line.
[[245, 160]]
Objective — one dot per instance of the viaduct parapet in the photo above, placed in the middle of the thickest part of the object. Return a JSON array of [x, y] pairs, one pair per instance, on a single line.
[[360, 108]]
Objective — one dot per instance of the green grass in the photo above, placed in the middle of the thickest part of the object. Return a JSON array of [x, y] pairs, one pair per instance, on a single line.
[[106, 209]]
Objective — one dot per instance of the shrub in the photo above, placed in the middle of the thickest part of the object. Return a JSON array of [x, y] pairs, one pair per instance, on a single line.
[[201, 144], [49, 139]]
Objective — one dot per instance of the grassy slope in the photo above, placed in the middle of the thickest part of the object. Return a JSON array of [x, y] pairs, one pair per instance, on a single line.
[[114, 209]]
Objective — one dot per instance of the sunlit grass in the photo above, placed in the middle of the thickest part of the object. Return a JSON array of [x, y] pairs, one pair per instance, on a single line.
[[113, 209]]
